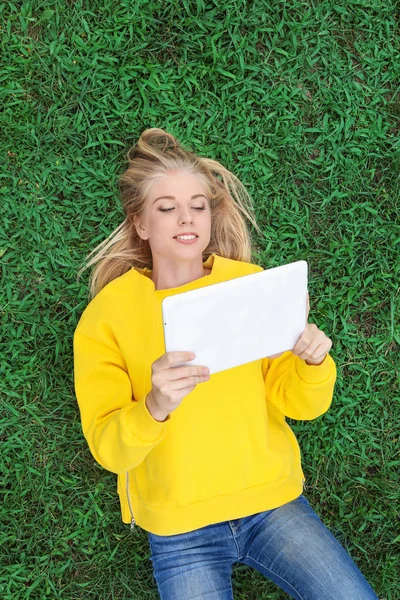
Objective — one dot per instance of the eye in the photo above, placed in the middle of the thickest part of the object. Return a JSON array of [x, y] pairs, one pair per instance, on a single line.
[[195, 207]]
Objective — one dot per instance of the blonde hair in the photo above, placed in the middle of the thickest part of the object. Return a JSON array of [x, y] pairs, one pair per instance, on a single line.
[[156, 153]]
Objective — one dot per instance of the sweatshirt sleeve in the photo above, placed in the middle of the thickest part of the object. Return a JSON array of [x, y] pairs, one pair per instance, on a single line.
[[300, 391], [119, 430]]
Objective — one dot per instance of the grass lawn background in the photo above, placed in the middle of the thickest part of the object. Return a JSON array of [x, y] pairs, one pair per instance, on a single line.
[[301, 100]]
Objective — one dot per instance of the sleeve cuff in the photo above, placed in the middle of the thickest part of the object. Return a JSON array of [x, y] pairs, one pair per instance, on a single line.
[[315, 373], [142, 424]]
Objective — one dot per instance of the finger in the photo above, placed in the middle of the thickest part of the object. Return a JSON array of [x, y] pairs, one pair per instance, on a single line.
[[187, 383], [306, 338], [317, 350], [175, 357], [186, 371], [322, 350], [317, 359], [314, 351]]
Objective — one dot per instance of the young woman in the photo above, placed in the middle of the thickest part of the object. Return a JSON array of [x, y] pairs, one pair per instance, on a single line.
[[207, 465]]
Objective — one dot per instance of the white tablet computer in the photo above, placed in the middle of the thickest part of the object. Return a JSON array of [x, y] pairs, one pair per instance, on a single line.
[[233, 322]]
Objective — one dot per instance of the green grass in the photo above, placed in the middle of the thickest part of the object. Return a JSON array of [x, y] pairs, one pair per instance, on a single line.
[[303, 105]]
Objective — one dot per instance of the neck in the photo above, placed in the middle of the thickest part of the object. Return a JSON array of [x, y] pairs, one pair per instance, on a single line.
[[172, 276]]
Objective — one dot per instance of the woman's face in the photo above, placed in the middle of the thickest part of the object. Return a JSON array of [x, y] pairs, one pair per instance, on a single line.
[[186, 210]]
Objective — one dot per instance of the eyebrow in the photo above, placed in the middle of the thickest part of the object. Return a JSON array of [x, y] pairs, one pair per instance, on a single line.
[[173, 197]]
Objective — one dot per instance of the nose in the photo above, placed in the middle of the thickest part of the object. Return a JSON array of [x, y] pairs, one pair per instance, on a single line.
[[185, 216]]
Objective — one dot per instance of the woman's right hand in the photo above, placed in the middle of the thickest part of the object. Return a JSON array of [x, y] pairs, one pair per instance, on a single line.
[[171, 384]]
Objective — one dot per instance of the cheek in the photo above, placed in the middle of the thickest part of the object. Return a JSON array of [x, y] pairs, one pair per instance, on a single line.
[[208, 218]]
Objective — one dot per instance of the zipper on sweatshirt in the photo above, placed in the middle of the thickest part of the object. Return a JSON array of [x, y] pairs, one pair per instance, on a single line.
[[129, 502]]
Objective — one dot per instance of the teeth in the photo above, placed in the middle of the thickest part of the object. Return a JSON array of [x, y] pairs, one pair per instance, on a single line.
[[185, 237]]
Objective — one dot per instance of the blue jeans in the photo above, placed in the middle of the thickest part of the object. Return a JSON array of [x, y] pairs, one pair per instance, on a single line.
[[289, 545]]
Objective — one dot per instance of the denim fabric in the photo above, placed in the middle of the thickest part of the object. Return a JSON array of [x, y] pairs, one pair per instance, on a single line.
[[289, 545]]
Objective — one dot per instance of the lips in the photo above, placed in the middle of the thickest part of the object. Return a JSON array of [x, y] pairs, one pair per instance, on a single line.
[[180, 234], [187, 242]]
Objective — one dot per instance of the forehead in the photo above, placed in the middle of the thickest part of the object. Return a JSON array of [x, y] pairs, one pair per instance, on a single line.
[[180, 185]]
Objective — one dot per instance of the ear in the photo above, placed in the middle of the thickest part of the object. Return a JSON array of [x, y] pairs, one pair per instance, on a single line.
[[140, 230]]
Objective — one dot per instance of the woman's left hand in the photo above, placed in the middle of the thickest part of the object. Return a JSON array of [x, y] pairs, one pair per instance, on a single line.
[[313, 345]]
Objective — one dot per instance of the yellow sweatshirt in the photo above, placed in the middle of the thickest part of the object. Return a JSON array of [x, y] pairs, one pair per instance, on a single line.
[[226, 451]]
